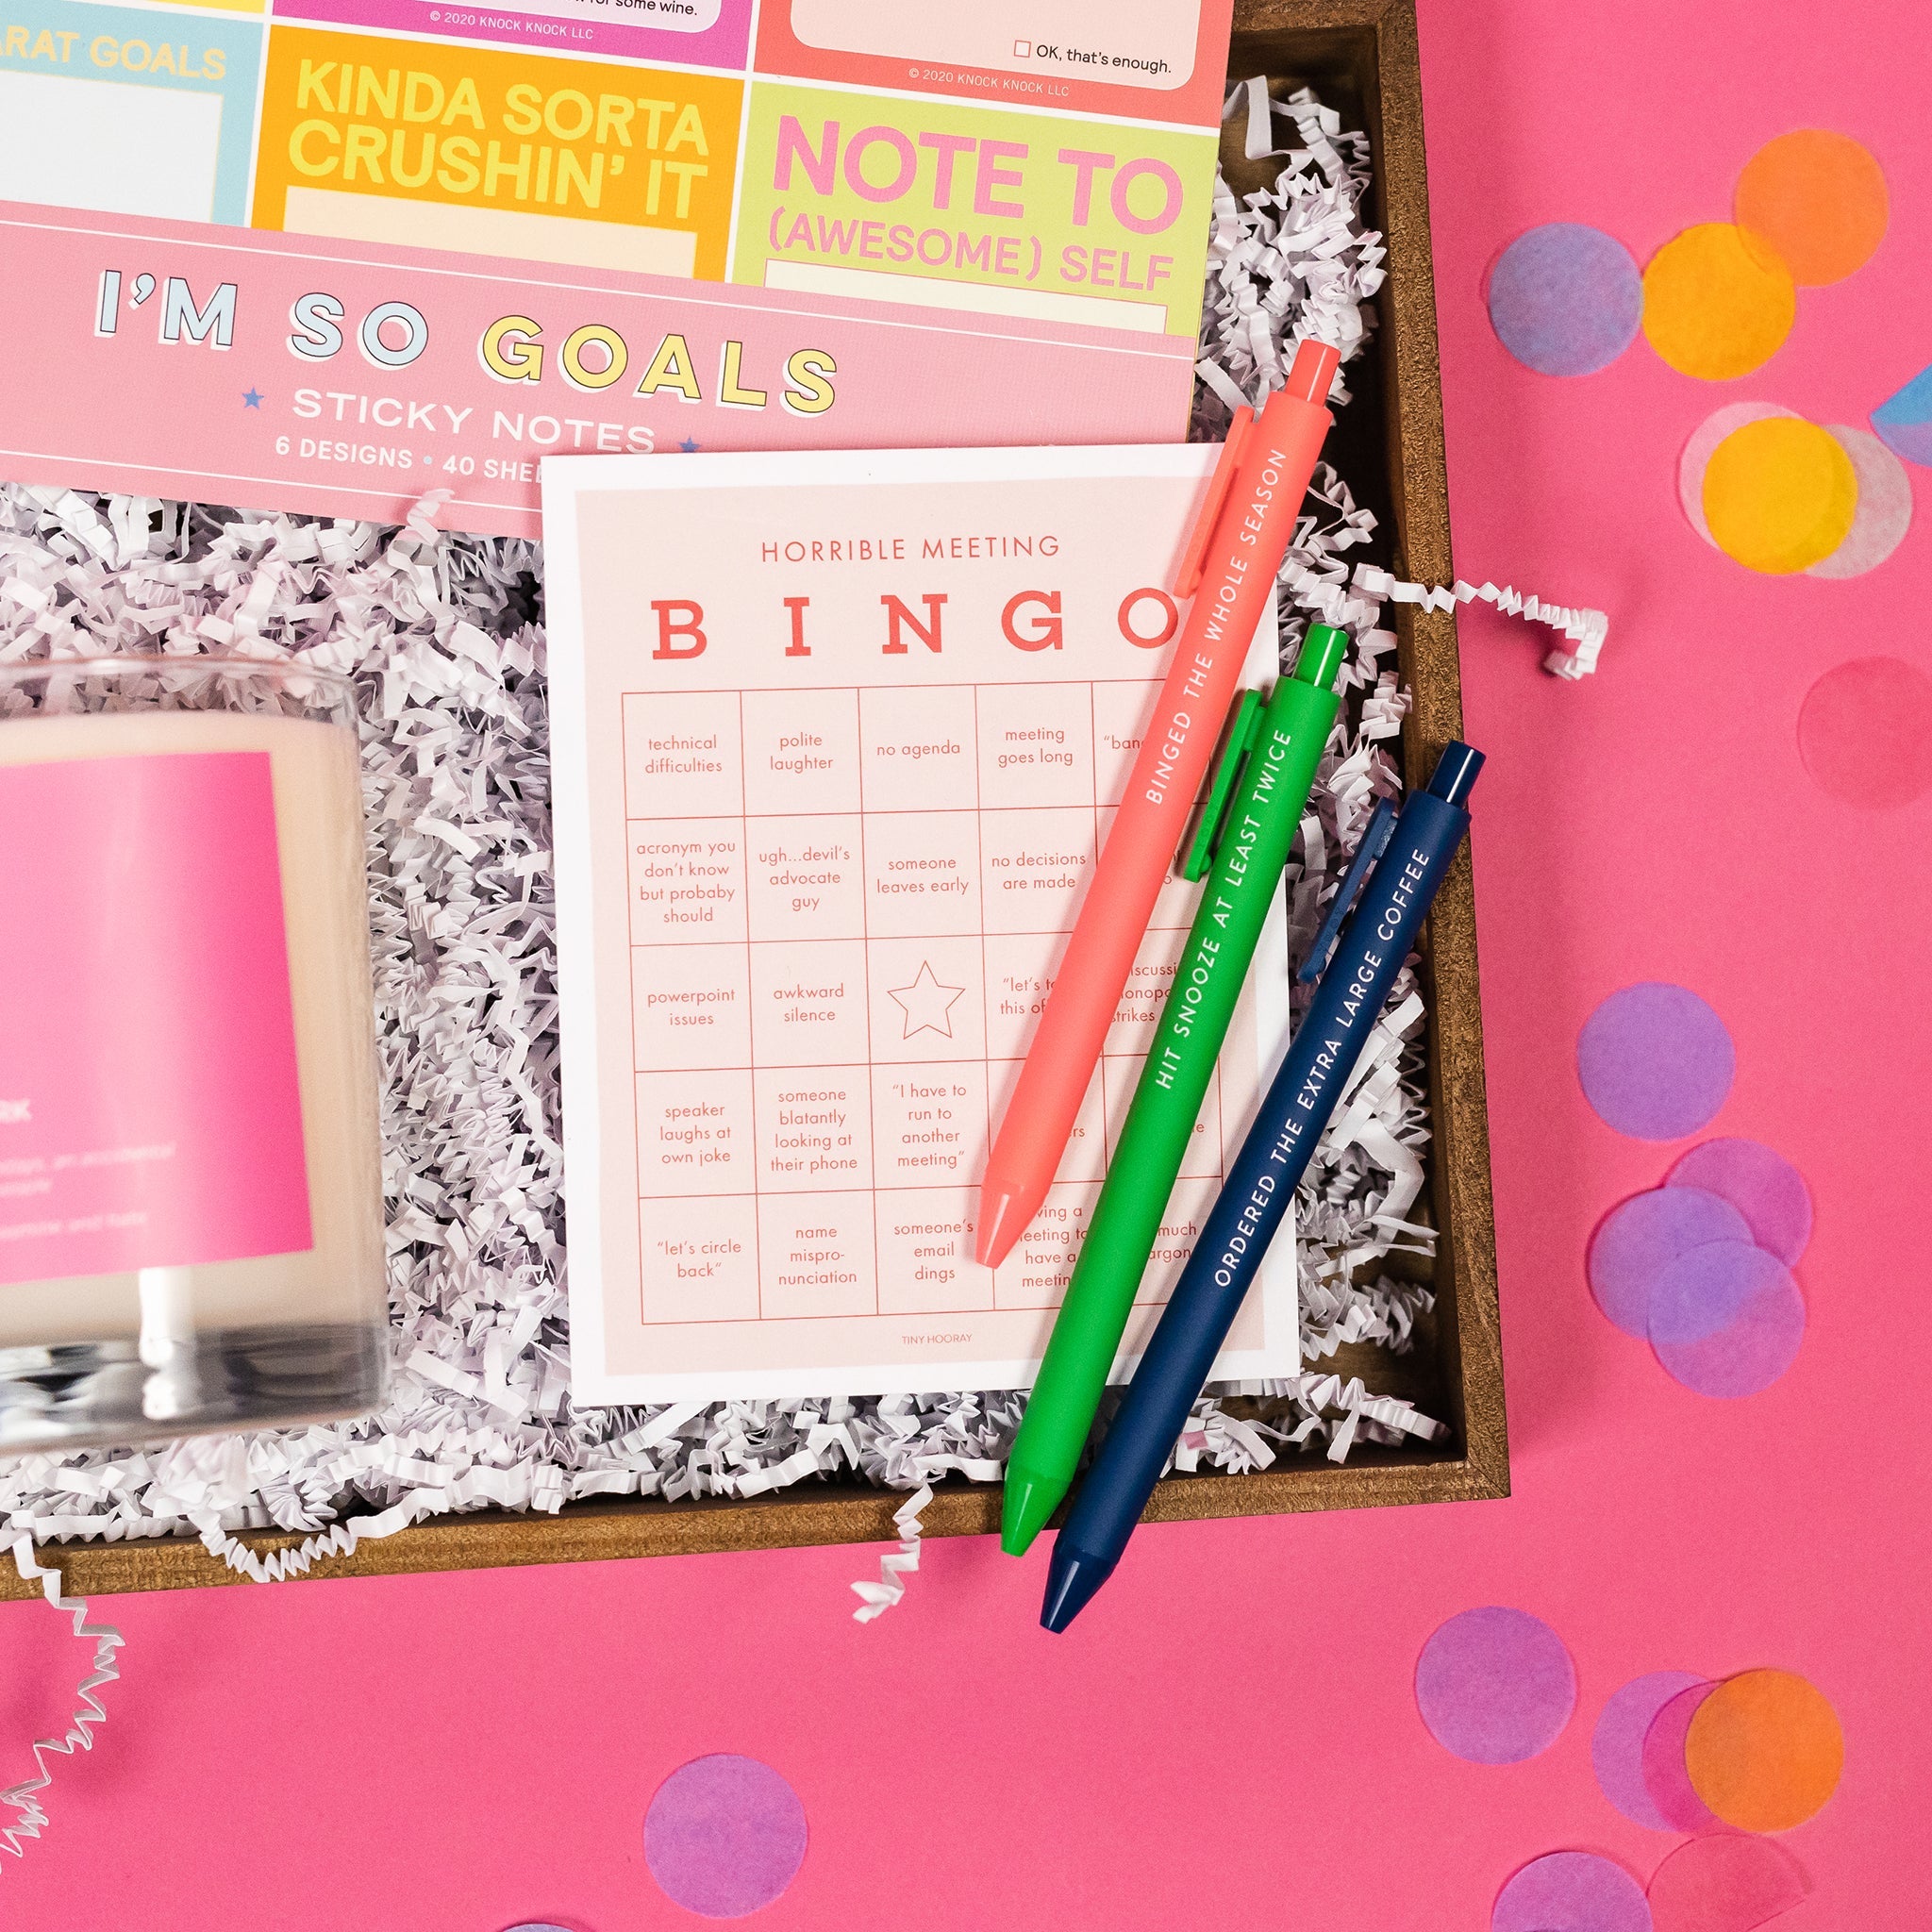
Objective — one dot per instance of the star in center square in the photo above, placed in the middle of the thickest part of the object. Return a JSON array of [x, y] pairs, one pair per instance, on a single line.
[[927, 1003], [251, 399]]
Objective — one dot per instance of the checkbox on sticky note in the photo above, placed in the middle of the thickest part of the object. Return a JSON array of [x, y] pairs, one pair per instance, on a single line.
[[1023, 50]]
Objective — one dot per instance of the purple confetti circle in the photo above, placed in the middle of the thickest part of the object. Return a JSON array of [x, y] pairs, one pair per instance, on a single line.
[[1763, 1186], [1565, 299], [1495, 1686], [724, 1835], [1726, 1318], [1666, 1777], [1640, 1238], [1655, 1061], [1707, 1289], [1616, 1747], [1570, 1891]]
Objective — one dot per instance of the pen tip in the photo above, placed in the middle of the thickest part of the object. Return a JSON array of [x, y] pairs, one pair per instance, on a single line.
[[1028, 1502], [1002, 1221], [1071, 1581]]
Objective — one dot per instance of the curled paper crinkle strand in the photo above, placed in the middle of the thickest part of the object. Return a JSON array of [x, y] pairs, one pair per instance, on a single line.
[[1587, 629], [23, 1798], [1222, 384], [875, 1599]]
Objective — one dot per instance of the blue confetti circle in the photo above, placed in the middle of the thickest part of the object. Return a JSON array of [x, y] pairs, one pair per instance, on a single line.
[[1566, 299], [1905, 420]]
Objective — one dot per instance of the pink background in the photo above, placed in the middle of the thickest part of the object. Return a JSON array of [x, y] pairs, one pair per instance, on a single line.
[[1229, 1733]]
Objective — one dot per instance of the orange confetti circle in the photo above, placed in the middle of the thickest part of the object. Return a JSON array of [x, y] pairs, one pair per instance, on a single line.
[[1765, 1751], [1780, 495], [1713, 306], [1816, 201]]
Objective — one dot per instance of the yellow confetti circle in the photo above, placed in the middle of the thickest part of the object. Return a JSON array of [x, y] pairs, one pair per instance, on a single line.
[[1715, 308], [1780, 495]]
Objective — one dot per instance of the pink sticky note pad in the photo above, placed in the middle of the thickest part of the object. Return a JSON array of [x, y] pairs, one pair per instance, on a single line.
[[978, 379], [710, 33], [150, 1109]]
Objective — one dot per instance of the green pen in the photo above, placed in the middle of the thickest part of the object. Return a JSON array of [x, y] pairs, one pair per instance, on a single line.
[[1284, 742]]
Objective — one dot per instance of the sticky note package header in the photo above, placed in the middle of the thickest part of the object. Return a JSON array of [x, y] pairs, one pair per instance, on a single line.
[[1046, 186]]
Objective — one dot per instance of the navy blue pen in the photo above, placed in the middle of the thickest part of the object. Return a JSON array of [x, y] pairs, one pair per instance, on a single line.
[[1261, 1185]]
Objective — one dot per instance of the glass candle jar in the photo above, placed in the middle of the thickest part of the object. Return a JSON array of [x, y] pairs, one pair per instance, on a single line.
[[190, 1174]]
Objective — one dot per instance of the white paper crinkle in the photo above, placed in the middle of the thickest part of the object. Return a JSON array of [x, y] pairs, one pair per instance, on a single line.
[[1286, 262], [440, 633], [436, 630]]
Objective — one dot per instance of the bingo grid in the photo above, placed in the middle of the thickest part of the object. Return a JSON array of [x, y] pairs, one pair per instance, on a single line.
[[845, 904]]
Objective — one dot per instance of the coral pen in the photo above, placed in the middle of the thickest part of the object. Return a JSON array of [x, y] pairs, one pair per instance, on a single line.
[[1238, 541]]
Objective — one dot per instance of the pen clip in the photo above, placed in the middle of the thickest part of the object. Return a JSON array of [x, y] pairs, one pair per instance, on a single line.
[[1243, 733], [1239, 429], [1375, 843]]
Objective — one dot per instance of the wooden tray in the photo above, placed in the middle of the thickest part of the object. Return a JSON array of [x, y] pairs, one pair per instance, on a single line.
[[1360, 56]]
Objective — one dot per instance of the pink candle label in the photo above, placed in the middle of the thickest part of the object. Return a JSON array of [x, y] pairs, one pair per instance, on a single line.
[[150, 1109]]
